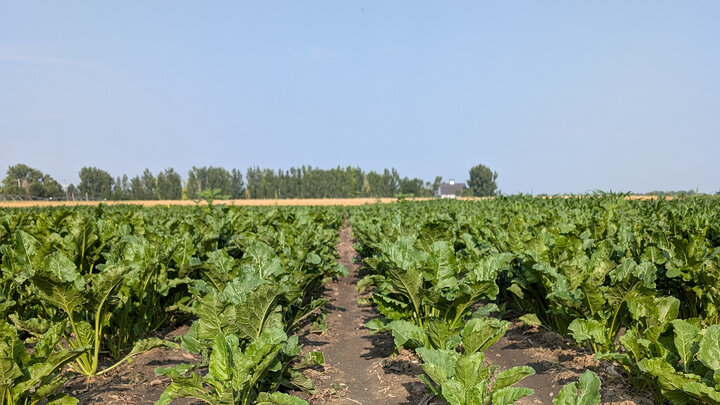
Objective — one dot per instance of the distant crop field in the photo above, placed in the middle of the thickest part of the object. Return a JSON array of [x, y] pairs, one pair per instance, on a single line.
[[347, 202], [269, 202]]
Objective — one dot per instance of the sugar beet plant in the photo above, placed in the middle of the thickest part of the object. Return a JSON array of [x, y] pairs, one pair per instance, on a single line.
[[426, 292], [634, 281], [77, 283]]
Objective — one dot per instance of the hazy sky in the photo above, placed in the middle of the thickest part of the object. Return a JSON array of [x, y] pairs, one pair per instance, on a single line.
[[557, 96]]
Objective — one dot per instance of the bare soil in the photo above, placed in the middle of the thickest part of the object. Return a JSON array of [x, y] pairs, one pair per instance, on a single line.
[[359, 368], [132, 383], [558, 361]]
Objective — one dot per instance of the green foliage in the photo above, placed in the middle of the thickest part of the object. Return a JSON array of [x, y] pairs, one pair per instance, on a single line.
[[95, 183], [585, 392], [31, 377], [636, 281], [236, 374], [214, 178], [465, 379], [104, 278], [24, 180], [169, 185], [482, 181]]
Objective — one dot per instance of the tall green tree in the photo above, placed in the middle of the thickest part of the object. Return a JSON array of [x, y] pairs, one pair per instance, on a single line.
[[237, 187], [121, 188], [22, 179], [435, 187], [254, 178], [482, 181], [169, 185], [136, 189], [414, 187], [208, 178], [95, 183], [148, 185]]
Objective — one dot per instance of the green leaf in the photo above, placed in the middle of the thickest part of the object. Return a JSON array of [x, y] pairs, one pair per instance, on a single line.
[[442, 264], [709, 351], [64, 295], [50, 339], [515, 289], [278, 398], [453, 392], [468, 369], [104, 283], [62, 268], [186, 388], [221, 360], [408, 282], [408, 335], [252, 316], [215, 317], [438, 331], [509, 395], [668, 379], [299, 380], [512, 376], [63, 399], [146, 344], [686, 340], [190, 340], [313, 258], [481, 333], [312, 359], [85, 334], [585, 392], [438, 364], [530, 320], [588, 329], [707, 395]]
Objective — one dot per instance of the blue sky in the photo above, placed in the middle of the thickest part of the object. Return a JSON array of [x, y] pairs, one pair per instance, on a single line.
[[556, 96]]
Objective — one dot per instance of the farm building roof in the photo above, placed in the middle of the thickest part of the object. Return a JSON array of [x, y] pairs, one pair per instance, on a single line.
[[451, 189]]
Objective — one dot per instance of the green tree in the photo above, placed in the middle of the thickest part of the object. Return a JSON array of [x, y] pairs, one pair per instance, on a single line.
[[482, 181], [208, 178], [254, 178], [95, 183], [435, 187], [148, 186], [237, 187], [169, 185], [136, 189], [72, 192], [121, 188], [413, 187], [25, 180]]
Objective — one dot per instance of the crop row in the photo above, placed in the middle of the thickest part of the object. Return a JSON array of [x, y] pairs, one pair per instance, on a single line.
[[79, 282], [637, 282]]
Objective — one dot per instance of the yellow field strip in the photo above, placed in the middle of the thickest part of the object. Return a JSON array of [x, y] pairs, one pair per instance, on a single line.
[[268, 202]]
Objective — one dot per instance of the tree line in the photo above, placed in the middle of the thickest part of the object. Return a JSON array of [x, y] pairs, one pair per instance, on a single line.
[[302, 182]]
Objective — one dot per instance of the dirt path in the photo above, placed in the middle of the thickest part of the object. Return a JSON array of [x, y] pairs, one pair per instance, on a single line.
[[358, 368]]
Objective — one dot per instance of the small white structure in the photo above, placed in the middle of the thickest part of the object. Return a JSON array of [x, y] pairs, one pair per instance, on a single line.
[[450, 189]]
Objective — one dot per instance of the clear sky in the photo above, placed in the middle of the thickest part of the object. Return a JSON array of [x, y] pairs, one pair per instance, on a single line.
[[556, 96]]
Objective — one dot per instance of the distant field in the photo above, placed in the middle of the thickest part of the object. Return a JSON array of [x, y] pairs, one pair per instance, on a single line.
[[305, 201], [284, 202]]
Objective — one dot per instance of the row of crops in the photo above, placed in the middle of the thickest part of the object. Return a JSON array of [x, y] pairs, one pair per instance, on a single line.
[[83, 290], [637, 282]]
